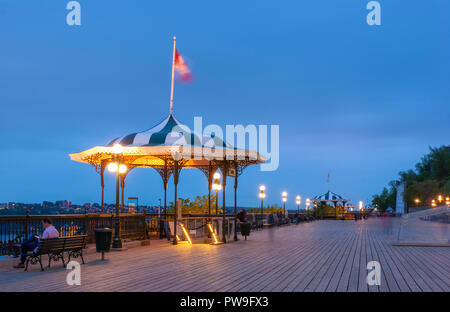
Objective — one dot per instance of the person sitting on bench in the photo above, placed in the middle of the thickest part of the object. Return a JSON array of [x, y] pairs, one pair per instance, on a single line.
[[31, 244]]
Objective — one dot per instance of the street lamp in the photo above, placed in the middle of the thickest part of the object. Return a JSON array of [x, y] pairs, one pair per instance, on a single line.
[[308, 202], [116, 167], [360, 205], [298, 201], [417, 201], [447, 200], [440, 199], [433, 203], [262, 195], [284, 198], [217, 187]]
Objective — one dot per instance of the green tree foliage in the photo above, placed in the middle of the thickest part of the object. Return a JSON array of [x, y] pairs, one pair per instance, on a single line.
[[198, 205], [385, 199], [267, 209], [430, 178]]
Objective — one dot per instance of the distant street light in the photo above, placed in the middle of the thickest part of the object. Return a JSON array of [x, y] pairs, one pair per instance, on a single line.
[[119, 169], [308, 202], [298, 201], [284, 198], [360, 205], [262, 195], [417, 201], [440, 199]]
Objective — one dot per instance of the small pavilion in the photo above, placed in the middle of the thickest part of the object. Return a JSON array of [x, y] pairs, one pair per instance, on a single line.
[[169, 147], [330, 197]]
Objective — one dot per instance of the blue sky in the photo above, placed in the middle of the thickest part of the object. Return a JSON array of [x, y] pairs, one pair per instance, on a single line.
[[361, 102]]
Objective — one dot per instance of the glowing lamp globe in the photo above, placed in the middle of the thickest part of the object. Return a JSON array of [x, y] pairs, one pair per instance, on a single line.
[[112, 167]]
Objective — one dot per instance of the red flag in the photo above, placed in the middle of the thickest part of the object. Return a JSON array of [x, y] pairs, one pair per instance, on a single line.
[[181, 68]]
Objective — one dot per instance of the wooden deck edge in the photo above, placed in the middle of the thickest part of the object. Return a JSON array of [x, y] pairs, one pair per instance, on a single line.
[[420, 244]]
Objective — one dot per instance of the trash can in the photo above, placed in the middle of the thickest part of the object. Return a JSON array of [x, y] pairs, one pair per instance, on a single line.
[[245, 229], [103, 238]]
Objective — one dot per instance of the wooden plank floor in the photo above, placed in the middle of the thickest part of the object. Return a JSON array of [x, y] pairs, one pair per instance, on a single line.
[[318, 256]]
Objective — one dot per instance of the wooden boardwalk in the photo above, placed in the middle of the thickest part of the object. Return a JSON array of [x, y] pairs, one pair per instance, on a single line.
[[319, 256]]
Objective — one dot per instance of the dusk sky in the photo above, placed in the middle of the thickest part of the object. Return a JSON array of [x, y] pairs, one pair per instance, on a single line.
[[361, 102]]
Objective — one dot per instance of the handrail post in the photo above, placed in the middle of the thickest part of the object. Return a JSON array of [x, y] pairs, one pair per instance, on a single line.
[[27, 225], [145, 224], [86, 222]]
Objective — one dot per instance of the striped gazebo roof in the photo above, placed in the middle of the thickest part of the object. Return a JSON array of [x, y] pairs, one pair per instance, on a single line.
[[329, 196], [169, 132], [167, 140]]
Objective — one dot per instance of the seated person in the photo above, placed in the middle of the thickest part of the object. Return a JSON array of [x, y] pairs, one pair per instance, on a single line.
[[31, 244]]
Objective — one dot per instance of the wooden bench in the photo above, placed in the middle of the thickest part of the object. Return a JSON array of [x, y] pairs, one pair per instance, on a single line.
[[55, 249]]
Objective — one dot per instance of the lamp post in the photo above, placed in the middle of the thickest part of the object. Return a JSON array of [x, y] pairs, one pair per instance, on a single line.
[[118, 168], [440, 199], [298, 201], [308, 202], [284, 198], [217, 187], [262, 195]]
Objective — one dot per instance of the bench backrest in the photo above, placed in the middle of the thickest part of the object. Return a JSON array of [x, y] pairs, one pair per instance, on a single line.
[[62, 244], [75, 242]]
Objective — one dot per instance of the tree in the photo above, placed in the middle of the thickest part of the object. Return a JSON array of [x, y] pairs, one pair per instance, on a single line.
[[198, 205], [430, 178]]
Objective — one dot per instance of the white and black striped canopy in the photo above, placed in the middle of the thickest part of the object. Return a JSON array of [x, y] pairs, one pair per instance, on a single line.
[[169, 132], [329, 196]]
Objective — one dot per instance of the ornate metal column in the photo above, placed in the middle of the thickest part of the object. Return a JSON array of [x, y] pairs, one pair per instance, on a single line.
[[209, 172], [100, 169], [235, 199], [102, 181], [210, 175], [117, 242], [165, 173], [224, 169], [176, 172], [122, 186], [165, 181]]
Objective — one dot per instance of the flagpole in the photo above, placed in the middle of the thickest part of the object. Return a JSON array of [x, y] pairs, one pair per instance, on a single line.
[[328, 180], [173, 75]]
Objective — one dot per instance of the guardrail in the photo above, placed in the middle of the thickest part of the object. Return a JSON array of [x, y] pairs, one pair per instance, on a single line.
[[16, 229]]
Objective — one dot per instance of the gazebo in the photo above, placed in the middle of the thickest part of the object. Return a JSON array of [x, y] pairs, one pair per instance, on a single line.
[[168, 148], [330, 197]]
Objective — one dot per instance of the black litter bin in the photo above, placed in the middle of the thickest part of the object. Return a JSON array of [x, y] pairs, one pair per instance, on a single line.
[[245, 229], [103, 239]]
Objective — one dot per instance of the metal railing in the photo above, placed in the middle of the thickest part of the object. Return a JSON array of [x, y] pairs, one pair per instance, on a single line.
[[16, 229]]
